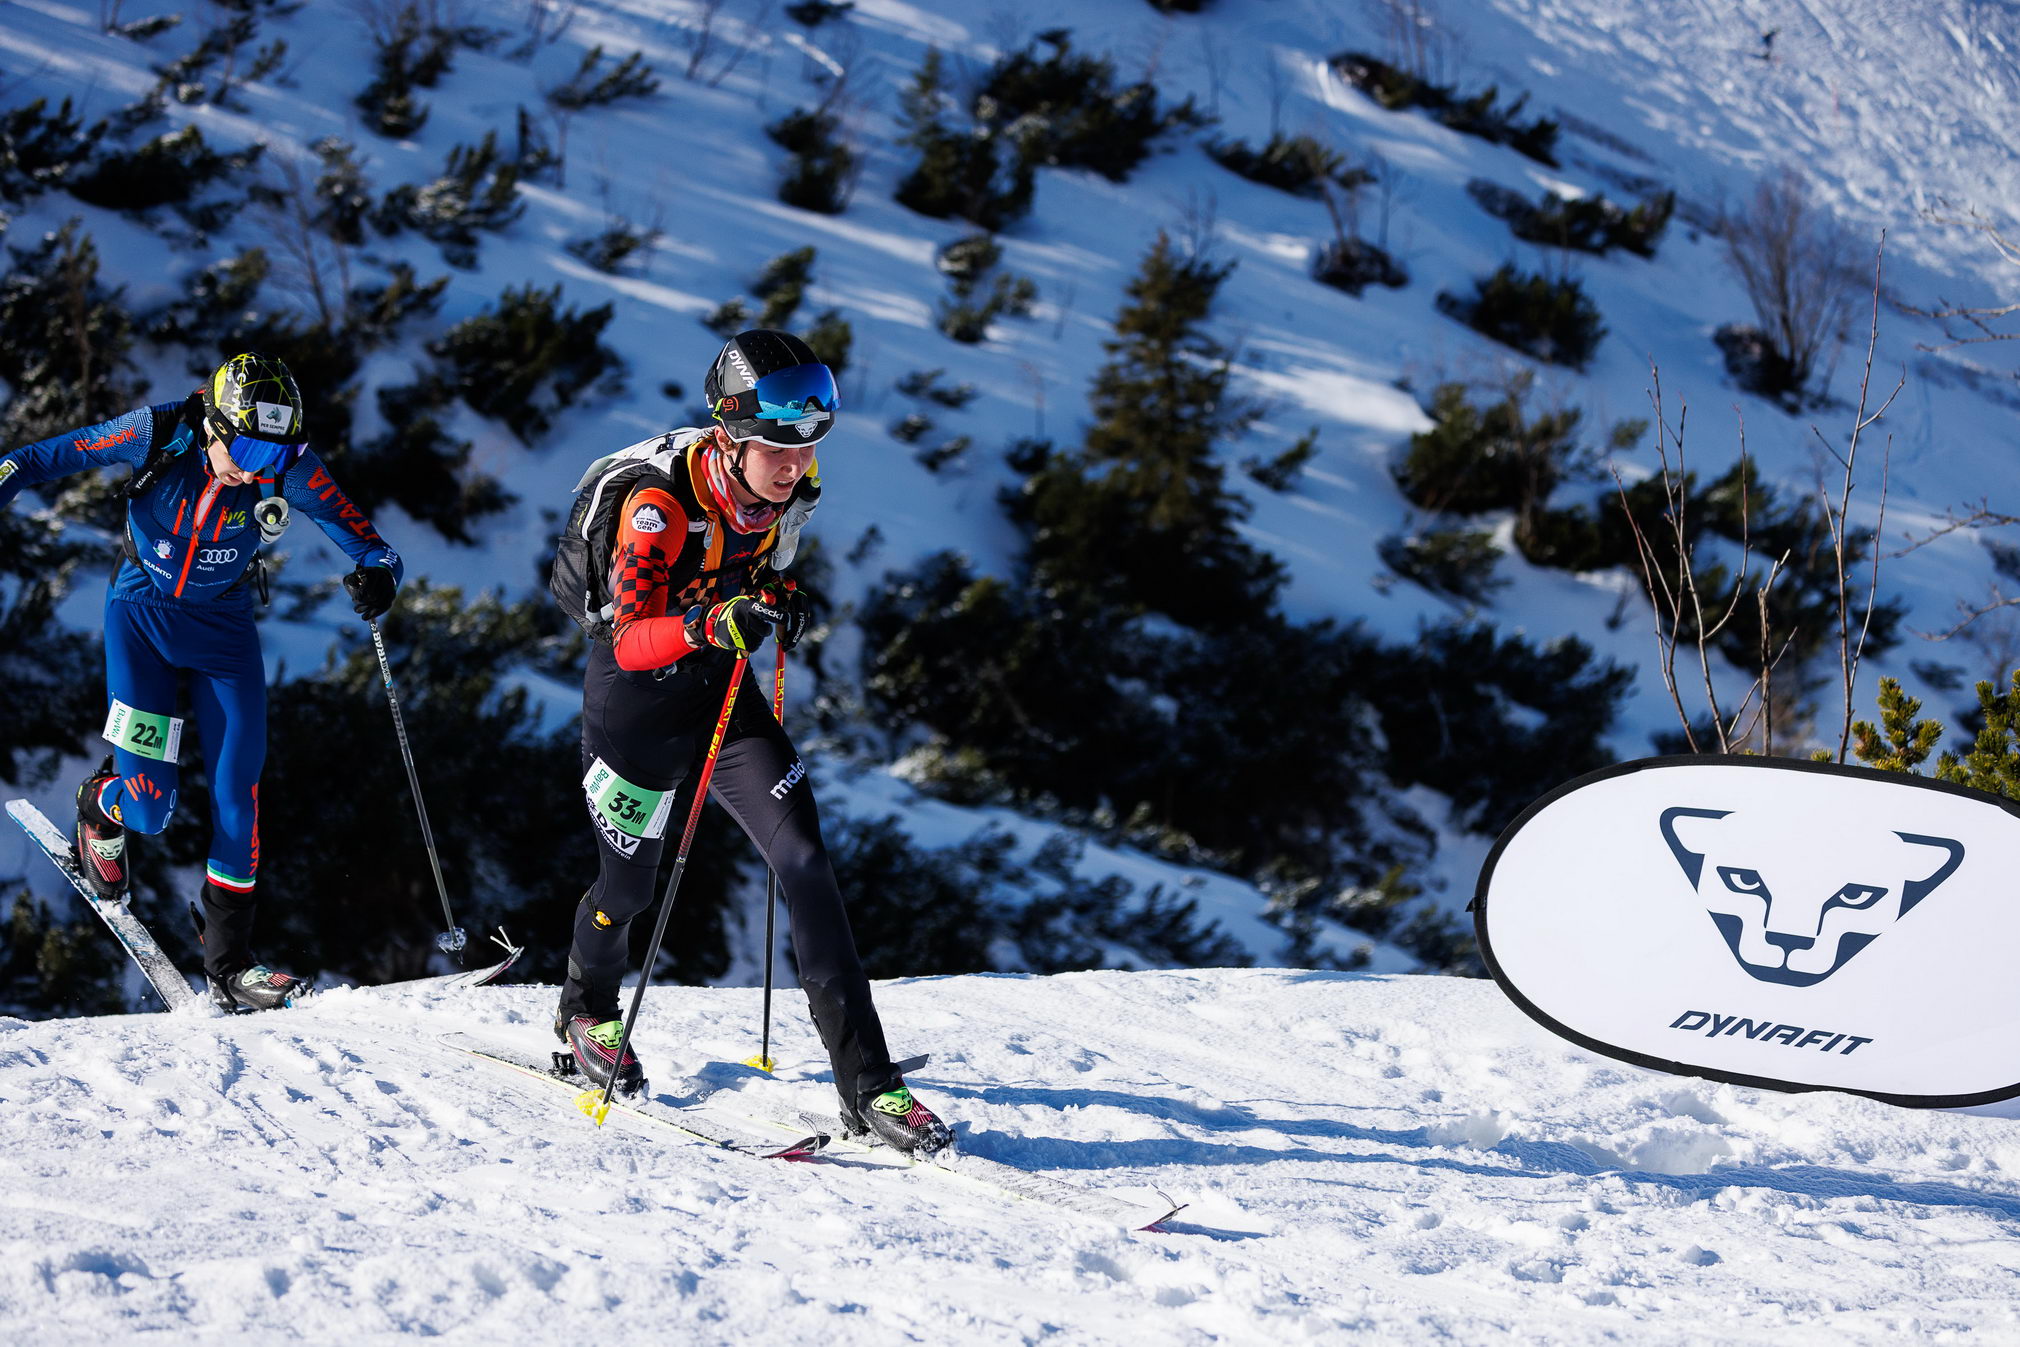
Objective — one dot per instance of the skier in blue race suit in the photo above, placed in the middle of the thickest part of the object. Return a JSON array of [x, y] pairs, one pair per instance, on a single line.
[[213, 477]]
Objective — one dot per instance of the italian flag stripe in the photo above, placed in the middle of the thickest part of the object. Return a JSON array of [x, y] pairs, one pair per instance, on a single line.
[[225, 881]]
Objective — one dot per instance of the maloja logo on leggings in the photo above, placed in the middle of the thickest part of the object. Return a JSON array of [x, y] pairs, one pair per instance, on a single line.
[[793, 776], [1771, 922]]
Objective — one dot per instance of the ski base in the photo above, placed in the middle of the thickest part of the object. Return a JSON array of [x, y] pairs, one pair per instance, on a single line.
[[168, 983], [690, 1123]]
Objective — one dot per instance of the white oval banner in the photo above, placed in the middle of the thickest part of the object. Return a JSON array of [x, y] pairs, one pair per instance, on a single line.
[[1769, 922]]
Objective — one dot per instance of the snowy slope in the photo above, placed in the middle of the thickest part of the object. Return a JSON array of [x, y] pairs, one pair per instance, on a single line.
[[1886, 107], [1395, 1160]]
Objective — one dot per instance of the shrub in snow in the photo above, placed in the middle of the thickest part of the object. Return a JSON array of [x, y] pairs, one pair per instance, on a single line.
[[621, 245], [51, 968], [978, 293], [64, 339], [419, 466], [1051, 695], [343, 194], [1457, 563], [1277, 474], [1470, 114], [728, 318], [478, 190], [940, 455], [782, 285], [1800, 270], [975, 174], [1589, 224], [822, 174], [1064, 109], [528, 358], [217, 301], [171, 169], [412, 46], [214, 70], [1491, 456], [925, 383], [1538, 315], [1447, 702], [911, 428], [39, 148], [830, 339], [1354, 264], [1294, 164], [591, 86], [814, 13]]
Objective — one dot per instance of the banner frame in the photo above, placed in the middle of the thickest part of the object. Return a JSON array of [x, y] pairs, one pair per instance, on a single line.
[[1478, 908]]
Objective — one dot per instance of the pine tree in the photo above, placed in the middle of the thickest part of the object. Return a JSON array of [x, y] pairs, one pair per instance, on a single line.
[[1143, 513], [1993, 764], [1907, 742]]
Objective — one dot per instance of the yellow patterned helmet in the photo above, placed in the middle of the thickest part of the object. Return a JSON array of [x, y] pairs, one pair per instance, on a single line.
[[252, 405]]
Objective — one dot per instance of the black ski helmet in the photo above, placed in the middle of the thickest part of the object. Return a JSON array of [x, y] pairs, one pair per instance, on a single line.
[[769, 386], [255, 396]]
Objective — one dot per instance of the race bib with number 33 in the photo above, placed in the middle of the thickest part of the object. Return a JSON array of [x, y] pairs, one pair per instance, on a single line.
[[630, 808]]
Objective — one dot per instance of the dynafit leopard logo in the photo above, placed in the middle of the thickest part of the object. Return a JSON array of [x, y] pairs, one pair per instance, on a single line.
[[1793, 909]]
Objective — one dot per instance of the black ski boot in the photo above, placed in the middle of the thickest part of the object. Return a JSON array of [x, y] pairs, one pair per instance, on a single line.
[[594, 1044], [100, 841], [899, 1120], [256, 988]]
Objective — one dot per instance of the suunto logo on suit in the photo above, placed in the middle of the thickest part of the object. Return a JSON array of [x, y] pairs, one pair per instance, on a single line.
[[1795, 909]]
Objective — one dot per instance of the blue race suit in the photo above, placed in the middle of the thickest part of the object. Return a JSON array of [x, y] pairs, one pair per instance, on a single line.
[[181, 604]]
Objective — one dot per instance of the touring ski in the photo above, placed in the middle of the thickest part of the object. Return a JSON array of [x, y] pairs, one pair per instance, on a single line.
[[694, 1124], [169, 984], [977, 1172], [469, 977]]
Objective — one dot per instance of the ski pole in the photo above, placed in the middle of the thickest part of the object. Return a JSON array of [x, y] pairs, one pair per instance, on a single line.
[[599, 1109], [452, 940], [763, 1061]]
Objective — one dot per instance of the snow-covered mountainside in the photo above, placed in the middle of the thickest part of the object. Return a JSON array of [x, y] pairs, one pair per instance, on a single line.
[[1889, 111], [1377, 1157], [1365, 1158]]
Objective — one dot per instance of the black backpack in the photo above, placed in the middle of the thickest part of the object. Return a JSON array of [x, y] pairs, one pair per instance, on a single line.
[[580, 580]]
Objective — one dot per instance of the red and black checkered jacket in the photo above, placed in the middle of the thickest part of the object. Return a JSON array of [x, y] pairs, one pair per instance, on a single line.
[[649, 624]]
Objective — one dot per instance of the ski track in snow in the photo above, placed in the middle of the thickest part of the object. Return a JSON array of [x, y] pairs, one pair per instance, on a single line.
[[1401, 1159]]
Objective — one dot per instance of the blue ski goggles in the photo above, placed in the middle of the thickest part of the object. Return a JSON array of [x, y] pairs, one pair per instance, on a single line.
[[257, 455], [791, 406], [253, 453]]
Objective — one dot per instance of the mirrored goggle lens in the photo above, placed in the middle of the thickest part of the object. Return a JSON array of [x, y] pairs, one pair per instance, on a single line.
[[796, 394], [257, 455]]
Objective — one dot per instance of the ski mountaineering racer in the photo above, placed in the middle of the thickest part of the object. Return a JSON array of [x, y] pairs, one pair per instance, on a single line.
[[214, 476], [673, 560]]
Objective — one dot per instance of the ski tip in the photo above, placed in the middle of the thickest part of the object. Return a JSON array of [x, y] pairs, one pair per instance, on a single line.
[[594, 1105], [768, 1065]]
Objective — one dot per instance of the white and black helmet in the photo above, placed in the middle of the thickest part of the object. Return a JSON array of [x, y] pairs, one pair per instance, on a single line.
[[770, 387]]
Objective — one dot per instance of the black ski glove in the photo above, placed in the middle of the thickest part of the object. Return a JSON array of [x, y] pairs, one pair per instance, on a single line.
[[739, 625], [786, 595], [371, 589]]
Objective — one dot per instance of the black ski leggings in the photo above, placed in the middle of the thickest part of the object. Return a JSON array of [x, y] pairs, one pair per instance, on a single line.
[[654, 732]]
